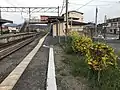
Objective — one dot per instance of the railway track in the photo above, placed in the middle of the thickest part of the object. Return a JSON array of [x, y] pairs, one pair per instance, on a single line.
[[32, 58], [14, 46], [11, 56], [5, 45], [29, 63]]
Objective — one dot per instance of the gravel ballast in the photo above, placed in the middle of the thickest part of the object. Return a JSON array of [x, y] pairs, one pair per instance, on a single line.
[[10, 62]]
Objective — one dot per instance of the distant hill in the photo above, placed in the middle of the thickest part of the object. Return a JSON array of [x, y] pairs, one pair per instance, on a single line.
[[20, 24]]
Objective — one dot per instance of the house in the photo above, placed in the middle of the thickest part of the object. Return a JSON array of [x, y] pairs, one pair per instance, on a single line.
[[75, 23], [13, 28], [113, 26], [89, 29], [74, 16], [3, 21], [4, 28]]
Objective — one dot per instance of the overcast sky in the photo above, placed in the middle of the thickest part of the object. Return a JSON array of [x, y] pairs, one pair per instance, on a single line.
[[111, 8]]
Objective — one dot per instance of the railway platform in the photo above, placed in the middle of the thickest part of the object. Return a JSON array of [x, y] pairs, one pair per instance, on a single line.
[[35, 69]]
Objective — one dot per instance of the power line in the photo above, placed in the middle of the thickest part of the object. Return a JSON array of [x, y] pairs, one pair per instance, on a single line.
[[89, 5], [109, 1], [14, 6], [10, 3], [63, 6], [97, 5], [85, 4]]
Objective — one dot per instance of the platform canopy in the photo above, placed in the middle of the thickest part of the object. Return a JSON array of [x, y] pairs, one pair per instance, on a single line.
[[2, 21]]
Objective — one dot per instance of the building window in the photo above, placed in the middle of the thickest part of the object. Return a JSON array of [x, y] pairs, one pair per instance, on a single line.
[[81, 19], [110, 30]]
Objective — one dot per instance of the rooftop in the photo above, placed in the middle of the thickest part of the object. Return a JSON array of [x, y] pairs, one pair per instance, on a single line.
[[2, 21], [74, 11], [114, 19]]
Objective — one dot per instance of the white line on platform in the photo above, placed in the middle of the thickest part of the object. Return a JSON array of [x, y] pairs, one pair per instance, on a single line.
[[14, 76], [51, 80]]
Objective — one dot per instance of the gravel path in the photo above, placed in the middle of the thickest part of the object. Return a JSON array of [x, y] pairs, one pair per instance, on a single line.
[[65, 80], [10, 62], [34, 77]]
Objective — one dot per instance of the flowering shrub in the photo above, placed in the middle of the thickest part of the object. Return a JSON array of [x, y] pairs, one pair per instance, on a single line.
[[80, 43], [101, 56]]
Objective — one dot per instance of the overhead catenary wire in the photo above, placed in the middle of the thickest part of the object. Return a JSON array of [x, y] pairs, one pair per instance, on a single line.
[[7, 1], [15, 6]]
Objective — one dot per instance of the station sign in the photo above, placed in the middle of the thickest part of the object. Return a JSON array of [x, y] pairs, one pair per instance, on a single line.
[[43, 18]]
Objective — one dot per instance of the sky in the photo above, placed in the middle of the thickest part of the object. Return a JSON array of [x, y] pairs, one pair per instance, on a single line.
[[110, 8]]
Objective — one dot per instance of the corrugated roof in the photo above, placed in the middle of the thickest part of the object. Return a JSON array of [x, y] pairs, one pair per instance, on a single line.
[[2, 21]]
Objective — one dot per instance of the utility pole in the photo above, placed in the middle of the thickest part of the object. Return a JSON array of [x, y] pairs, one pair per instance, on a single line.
[[96, 15], [105, 18], [119, 32], [0, 13], [58, 11], [66, 17], [0, 22], [71, 23], [29, 21], [58, 24]]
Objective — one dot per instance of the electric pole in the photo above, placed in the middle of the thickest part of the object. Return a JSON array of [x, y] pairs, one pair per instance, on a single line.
[[66, 17], [29, 21], [119, 33], [58, 23], [105, 23], [96, 15], [0, 23], [58, 11], [0, 13]]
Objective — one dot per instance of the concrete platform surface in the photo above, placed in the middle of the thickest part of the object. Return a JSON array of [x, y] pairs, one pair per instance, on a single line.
[[14, 76]]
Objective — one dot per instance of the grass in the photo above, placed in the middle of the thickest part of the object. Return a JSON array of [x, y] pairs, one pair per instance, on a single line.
[[118, 53], [109, 80]]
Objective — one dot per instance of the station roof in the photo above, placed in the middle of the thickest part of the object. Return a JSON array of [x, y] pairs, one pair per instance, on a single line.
[[55, 18], [2, 21]]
